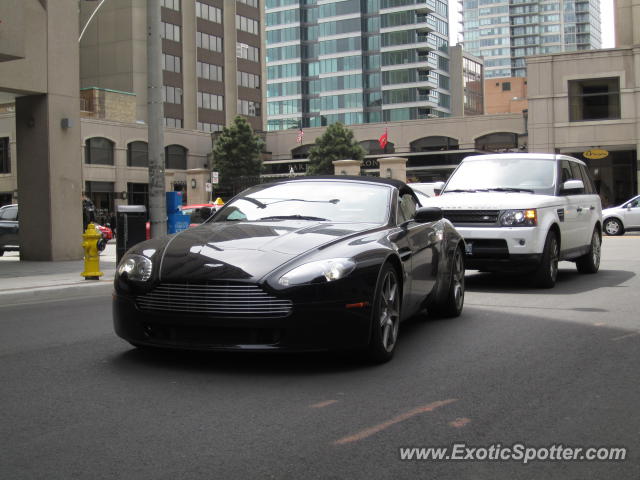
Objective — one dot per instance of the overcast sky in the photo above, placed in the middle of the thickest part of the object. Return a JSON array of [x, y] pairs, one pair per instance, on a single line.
[[606, 17]]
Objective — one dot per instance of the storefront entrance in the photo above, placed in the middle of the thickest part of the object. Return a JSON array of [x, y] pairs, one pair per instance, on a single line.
[[615, 176]]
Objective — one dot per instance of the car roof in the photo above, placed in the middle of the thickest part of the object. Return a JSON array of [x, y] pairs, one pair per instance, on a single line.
[[198, 205], [522, 156]]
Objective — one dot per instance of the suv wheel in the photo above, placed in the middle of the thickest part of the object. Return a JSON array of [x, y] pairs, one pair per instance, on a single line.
[[590, 262], [547, 272], [613, 226]]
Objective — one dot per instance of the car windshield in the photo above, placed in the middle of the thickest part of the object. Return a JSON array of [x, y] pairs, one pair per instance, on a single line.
[[504, 174], [194, 214], [332, 201]]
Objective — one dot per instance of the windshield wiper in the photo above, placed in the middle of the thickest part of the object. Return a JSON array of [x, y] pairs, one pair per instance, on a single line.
[[459, 190], [293, 217], [509, 189]]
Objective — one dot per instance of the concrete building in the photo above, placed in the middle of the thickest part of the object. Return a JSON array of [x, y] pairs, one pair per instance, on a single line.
[[467, 83], [587, 104], [505, 95], [212, 58], [432, 148], [356, 62], [506, 32], [39, 73]]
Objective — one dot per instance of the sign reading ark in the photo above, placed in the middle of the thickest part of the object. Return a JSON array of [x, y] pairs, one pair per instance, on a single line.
[[595, 154]]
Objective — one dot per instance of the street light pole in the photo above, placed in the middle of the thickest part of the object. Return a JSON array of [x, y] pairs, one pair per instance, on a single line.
[[155, 115]]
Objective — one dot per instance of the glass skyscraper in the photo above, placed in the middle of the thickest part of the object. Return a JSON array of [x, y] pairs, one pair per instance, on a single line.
[[505, 32], [355, 61]]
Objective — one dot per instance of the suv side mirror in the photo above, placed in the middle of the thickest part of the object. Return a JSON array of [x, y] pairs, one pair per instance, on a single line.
[[205, 213], [437, 188], [428, 214], [572, 186]]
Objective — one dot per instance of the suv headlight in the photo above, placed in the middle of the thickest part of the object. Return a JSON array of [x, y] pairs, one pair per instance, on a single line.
[[320, 271], [136, 267], [519, 218]]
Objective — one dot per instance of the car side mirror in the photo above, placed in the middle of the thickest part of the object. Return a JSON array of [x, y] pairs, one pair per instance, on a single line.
[[572, 186], [205, 213], [437, 188], [428, 214]]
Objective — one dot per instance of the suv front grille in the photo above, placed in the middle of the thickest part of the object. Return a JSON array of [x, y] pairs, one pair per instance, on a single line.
[[215, 299], [459, 217]]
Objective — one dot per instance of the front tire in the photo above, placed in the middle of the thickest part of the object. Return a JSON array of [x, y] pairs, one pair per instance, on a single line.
[[452, 304], [613, 227], [590, 262], [547, 272], [386, 316]]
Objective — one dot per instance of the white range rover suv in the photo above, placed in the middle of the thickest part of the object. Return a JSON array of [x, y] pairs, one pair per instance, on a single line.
[[524, 212]]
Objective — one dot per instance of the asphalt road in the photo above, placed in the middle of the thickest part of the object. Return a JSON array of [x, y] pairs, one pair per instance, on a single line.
[[520, 365]]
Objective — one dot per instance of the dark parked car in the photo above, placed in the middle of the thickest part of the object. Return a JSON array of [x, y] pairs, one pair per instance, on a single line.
[[9, 240], [303, 264]]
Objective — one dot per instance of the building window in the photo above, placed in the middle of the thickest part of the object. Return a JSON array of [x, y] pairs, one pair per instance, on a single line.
[[209, 42], [246, 107], [247, 25], [170, 31], [208, 71], [594, 99], [506, 86], [210, 101], [248, 80], [171, 4], [5, 156], [175, 157], [171, 63], [247, 52], [137, 154], [208, 12], [251, 3], [98, 151], [172, 122], [138, 194], [171, 94], [210, 127]]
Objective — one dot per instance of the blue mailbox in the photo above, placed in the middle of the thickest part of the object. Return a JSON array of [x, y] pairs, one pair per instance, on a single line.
[[176, 220]]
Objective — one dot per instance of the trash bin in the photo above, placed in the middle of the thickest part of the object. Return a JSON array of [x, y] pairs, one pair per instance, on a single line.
[[131, 222]]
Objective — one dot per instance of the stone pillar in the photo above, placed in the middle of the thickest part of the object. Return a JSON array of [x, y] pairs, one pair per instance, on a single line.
[[347, 167], [48, 145], [196, 182], [393, 167]]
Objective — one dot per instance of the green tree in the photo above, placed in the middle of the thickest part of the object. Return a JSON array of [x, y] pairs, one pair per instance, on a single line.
[[337, 143], [236, 156]]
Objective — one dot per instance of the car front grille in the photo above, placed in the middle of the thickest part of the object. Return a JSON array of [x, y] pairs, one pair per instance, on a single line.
[[215, 299], [460, 217]]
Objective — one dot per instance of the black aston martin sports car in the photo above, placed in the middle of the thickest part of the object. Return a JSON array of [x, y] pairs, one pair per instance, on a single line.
[[313, 263]]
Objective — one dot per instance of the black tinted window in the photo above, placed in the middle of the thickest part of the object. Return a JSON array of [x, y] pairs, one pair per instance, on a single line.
[[589, 187]]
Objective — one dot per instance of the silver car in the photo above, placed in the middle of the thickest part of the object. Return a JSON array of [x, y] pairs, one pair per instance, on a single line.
[[623, 218], [9, 229]]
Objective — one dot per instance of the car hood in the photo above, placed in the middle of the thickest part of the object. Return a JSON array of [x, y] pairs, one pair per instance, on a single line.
[[245, 250], [613, 211], [491, 201]]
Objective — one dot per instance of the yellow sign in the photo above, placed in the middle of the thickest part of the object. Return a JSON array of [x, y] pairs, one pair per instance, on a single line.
[[595, 154]]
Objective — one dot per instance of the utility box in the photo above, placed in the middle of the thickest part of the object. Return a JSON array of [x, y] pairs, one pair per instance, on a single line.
[[131, 225]]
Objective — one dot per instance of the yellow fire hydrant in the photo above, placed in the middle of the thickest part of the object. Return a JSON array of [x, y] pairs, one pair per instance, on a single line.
[[91, 254]]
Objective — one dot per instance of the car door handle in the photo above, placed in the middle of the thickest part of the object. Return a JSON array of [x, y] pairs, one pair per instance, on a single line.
[[579, 209], [592, 207]]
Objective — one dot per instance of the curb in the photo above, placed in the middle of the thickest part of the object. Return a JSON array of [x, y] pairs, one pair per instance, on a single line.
[[99, 288]]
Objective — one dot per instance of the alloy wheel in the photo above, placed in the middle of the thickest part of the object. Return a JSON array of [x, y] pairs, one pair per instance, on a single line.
[[389, 311]]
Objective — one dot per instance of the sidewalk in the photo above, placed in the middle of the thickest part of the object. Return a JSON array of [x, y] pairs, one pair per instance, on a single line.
[[24, 282]]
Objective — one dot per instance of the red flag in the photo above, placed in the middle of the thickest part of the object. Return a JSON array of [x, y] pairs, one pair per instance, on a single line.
[[384, 139]]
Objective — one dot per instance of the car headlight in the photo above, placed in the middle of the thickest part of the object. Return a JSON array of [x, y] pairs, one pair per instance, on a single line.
[[519, 218], [136, 267], [320, 271]]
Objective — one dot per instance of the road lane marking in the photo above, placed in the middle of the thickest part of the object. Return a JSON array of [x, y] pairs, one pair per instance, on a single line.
[[628, 335], [367, 432], [326, 403], [460, 422]]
